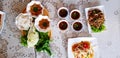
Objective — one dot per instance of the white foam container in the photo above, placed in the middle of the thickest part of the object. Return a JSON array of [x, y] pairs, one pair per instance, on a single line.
[[101, 7], [2, 20], [92, 40]]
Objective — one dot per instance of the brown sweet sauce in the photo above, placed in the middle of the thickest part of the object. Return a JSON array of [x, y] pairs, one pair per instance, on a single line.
[[63, 25], [77, 26], [44, 24], [75, 15], [36, 9], [63, 13]]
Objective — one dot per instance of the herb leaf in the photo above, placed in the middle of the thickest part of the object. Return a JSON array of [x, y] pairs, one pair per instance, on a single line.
[[23, 40], [43, 43]]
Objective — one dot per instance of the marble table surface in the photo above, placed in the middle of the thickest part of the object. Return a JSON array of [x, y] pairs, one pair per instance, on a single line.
[[108, 41]]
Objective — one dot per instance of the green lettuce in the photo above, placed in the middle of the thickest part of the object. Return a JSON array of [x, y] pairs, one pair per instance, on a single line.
[[101, 28]]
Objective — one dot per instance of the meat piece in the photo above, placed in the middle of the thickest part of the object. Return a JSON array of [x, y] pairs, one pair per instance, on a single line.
[[95, 18]]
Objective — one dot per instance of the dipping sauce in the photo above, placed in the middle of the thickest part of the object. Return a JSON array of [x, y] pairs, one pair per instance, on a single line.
[[63, 25], [36, 9], [44, 24], [75, 14], [77, 26], [63, 12]]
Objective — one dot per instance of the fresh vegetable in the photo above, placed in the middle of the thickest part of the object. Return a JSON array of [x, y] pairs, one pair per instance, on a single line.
[[43, 43], [24, 41], [23, 38], [33, 37], [87, 55], [101, 28]]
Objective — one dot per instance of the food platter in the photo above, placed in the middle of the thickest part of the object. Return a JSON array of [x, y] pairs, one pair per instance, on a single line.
[[92, 15], [34, 24], [94, 52]]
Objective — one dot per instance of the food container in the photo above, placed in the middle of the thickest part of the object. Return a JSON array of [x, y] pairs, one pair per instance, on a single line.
[[77, 26], [100, 14], [63, 25], [75, 14], [63, 12], [2, 19], [93, 46]]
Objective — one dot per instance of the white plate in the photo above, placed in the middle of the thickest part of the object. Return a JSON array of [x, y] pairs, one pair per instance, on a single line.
[[2, 20], [86, 12], [92, 40]]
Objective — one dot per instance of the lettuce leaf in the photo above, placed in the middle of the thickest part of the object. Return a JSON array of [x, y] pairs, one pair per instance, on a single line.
[[94, 29], [24, 41]]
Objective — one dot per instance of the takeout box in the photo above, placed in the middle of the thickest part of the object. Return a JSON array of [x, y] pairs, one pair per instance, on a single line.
[[102, 10], [93, 43], [2, 18]]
